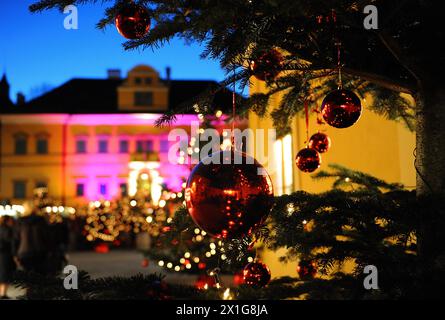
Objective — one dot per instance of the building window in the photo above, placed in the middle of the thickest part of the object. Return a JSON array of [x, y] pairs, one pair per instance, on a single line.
[[124, 189], [103, 146], [148, 80], [81, 146], [80, 189], [19, 189], [42, 146], [102, 189], [143, 99], [164, 146], [123, 146], [144, 146], [21, 145], [137, 80]]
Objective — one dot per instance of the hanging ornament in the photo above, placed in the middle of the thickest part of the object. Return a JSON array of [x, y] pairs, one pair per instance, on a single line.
[[133, 21], [307, 269], [320, 142], [228, 194], [267, 66], [238, 278], [341, 108], [308, 160], [256, 274]]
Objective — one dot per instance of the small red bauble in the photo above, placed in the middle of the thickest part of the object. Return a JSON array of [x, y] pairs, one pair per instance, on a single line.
[[267, 66], [307, 269], [144, 263], [228, 194], [341, 108], [133, 21], [308, 160], [320, 142], [256, 274]]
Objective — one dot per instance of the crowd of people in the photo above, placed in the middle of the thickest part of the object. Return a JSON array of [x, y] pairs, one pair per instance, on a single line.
[[32, 244]]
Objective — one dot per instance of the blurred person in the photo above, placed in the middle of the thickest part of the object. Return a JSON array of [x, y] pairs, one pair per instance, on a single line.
[[7, 266], [31, 241]]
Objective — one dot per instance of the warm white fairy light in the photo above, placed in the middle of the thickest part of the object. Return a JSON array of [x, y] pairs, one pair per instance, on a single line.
[[212, 246], [196, 260], [198, 238], [177, 268], [133, 203], [169, 265], [212, 252], [182, 260], [223, 257], [208, 254], [187, 255], [161, 263], [249, 259], [203, 233], [218, 113], [188, 266], [149, 219], [227, 295], [197, 231]]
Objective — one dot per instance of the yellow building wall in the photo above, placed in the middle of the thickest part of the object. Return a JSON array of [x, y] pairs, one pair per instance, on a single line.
[[373, 145], [31, 167]]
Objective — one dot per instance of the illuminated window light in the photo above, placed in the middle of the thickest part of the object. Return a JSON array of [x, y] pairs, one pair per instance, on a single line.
[[278, 154], [288, 163]]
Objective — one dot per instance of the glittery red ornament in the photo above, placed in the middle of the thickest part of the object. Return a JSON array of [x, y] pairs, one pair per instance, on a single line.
[[133, 21], [230, 197], [256, 274], [308, 160], [201, 265], [341, 108], [307, 269], [320, 142], [267, 66], [144, 263]]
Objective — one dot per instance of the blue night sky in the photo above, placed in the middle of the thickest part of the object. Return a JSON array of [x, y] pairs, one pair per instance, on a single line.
[[36, 51]]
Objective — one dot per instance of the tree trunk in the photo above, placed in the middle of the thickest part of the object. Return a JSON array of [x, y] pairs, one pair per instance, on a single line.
[[430, 140], [430, 166]]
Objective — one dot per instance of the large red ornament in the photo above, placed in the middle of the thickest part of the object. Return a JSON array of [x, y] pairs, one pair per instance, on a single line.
[[267, 66], [256, 274], [341, 108], [320, 142], [308, 160], [230, 197], [307, 269], [133, 21]]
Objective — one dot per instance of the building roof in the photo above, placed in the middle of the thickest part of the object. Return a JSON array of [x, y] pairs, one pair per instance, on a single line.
[[95, 96]]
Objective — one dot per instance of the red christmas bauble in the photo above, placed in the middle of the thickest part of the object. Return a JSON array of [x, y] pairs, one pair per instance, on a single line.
[[307, 269], [133, 21], [228, 194], [256, 274], [308, 160], [267, 66], [341, 108], [144, 263], [320, 142]]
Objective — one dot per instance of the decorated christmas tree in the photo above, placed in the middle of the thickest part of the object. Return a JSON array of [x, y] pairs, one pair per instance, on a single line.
[[307, 51]]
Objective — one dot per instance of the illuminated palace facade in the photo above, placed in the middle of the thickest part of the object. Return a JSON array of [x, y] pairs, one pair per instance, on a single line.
[[95, 139]]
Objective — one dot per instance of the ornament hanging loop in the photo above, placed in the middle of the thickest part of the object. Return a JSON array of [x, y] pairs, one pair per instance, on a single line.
[[339, 66]]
